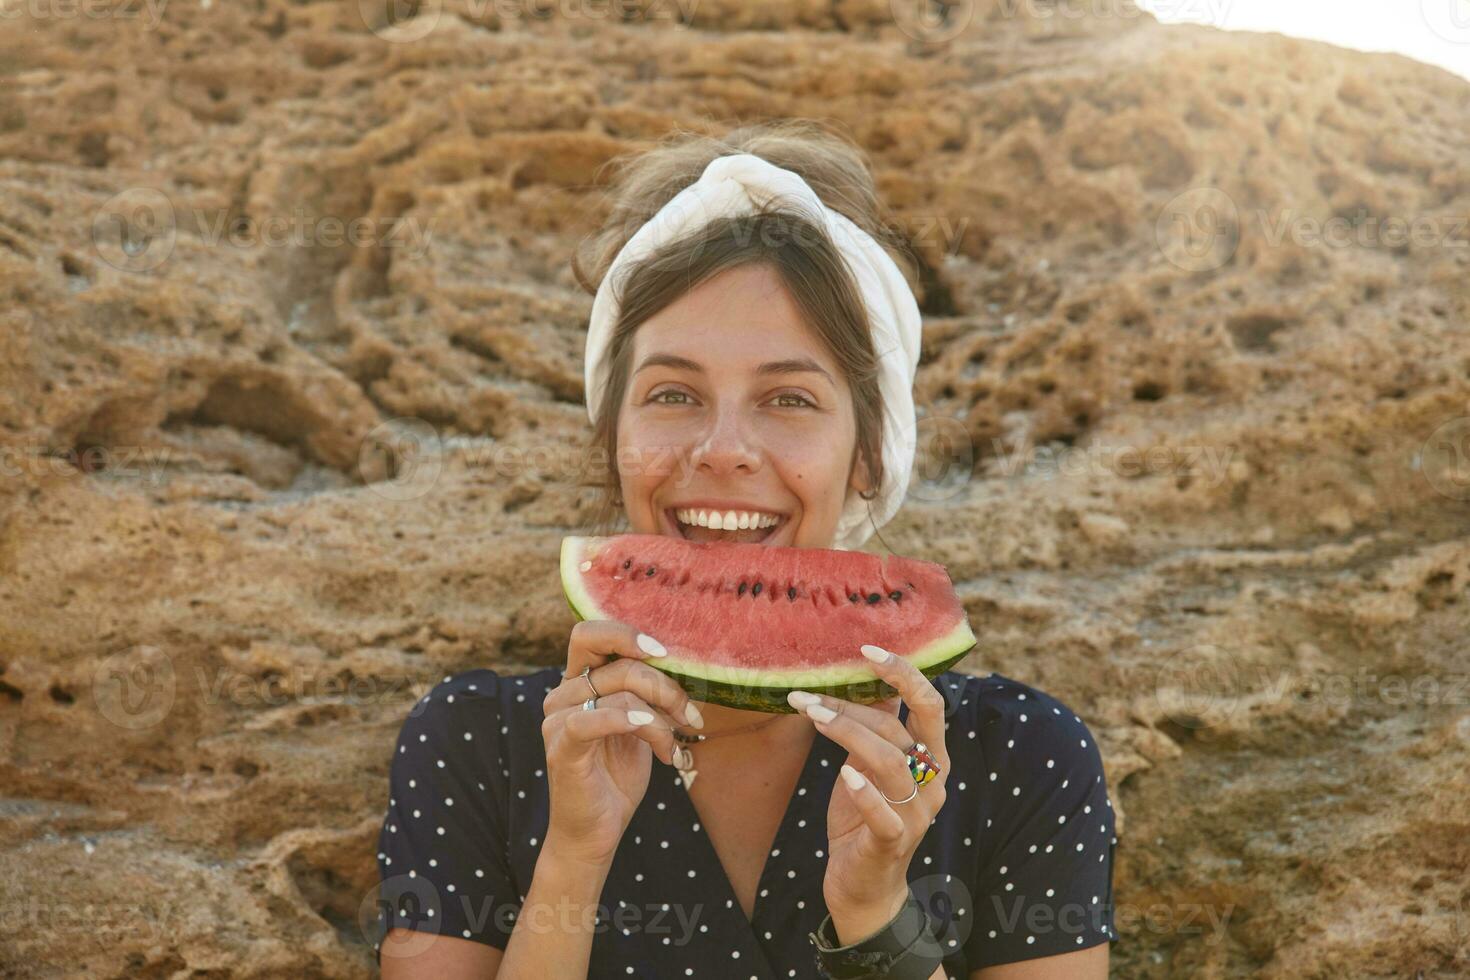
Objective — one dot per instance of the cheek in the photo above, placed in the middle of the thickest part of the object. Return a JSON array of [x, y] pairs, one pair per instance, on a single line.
[[645, 456]]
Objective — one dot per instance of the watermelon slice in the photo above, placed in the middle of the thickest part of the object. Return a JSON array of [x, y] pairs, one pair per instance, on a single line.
[[744, 623]]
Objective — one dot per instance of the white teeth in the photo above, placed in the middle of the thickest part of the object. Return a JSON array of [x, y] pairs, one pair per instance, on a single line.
[[730, 520]]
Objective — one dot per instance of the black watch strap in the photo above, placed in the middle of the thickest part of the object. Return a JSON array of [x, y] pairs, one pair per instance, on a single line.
[[905, 949]]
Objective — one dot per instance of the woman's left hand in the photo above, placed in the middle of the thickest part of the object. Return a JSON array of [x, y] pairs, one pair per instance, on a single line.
[[871, 841]]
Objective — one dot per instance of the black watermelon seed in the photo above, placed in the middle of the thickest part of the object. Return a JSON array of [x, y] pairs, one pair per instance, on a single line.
[[741, 590], [873, 597], [650, 571], [628, 563], [756, 589], [895, 595], [852, 597], [791, 593]]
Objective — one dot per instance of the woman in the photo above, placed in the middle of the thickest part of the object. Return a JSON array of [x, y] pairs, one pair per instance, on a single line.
[[750, 360]]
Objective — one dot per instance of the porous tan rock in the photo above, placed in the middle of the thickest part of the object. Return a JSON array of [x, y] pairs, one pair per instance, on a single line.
[[260, 489]]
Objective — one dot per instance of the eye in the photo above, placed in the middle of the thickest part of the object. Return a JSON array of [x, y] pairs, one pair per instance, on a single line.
[[657, 397], [800, 400]]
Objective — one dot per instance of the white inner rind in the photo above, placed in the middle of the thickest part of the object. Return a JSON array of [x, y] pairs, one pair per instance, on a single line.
[[576, 550], [957, 640]]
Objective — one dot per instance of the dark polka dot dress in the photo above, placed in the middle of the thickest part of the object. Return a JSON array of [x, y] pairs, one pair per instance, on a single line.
[[1017, 865]]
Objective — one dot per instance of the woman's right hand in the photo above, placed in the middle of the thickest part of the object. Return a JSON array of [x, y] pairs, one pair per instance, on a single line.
[[598, 762]]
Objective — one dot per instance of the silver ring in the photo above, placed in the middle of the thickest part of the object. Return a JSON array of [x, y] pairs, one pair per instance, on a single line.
[[590, 704], [587, 670], [905, 799]]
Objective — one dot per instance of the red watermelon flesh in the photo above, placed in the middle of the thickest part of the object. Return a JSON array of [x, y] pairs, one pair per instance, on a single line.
[[745, 623]]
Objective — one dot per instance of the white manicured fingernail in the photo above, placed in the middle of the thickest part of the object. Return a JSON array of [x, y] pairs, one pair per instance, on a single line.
[[800, 699], [639, 717], [852, 777], [876, 654], [692, 713], [651, 646], [820, 712]]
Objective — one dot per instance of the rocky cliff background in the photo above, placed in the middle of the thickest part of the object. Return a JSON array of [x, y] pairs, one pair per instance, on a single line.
[[263, 481]]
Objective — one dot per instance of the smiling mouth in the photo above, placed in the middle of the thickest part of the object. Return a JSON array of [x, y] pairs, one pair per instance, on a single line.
[[748, 535]]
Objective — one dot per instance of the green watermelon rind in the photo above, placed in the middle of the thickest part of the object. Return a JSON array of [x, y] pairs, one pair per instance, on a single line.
[[763, 689]]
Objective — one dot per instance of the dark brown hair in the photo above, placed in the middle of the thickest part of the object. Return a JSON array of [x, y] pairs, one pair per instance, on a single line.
[[806, 260]]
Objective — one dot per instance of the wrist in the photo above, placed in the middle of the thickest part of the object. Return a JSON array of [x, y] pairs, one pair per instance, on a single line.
[[855, 923], [560, 854], [902, 948]]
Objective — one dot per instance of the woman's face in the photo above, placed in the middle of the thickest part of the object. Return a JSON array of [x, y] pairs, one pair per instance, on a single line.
[[736, 417]]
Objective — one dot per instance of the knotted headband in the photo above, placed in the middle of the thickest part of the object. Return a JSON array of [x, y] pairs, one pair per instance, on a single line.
[[739, 184]]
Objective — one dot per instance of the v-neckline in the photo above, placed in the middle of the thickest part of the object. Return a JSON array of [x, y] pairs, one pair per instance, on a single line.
[[682, 808], [819, 749]]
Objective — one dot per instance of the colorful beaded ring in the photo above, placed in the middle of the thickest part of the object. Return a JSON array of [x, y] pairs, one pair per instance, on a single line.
[[922, 766]]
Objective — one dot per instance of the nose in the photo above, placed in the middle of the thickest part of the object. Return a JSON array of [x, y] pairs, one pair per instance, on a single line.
[[726, 445]]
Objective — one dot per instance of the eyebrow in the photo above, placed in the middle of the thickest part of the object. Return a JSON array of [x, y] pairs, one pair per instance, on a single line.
[[791, 365]]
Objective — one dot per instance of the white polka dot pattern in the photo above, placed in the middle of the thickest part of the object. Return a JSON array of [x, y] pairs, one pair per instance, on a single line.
[[1016, 865]]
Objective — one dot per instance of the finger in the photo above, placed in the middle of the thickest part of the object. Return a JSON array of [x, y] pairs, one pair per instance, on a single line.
[[926, 705], [880, 816], [627, 699], [592, 644], [598, 641], [652, 685], [883, 761], [878, 717], [618, 714]]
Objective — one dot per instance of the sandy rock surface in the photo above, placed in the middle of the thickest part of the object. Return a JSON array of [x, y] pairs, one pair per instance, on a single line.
[[1221, 490]]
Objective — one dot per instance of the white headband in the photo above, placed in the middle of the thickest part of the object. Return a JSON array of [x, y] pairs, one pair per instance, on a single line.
[[735, 185]]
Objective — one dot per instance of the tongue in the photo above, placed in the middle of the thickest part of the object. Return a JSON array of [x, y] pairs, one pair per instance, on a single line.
[[747, 536]]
